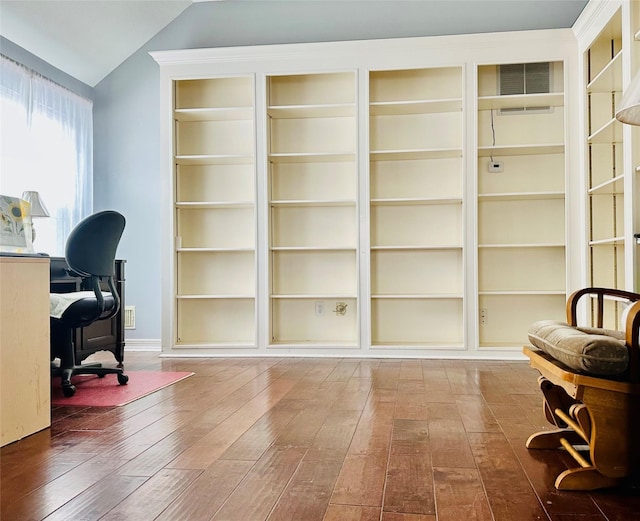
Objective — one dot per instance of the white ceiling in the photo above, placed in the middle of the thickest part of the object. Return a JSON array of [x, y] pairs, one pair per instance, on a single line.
[[85, 38], [88, 39]]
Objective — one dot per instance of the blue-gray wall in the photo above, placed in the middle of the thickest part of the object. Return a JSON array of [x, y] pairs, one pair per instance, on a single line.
[[127, 102]]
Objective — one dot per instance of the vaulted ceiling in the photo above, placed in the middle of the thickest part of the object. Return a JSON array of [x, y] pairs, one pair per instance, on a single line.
[[88, 39]]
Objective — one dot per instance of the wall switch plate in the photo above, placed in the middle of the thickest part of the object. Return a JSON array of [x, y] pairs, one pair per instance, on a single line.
[[496, 166]]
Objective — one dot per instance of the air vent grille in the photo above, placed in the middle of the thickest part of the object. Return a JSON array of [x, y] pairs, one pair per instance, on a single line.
[[524, 78], [512, 79], [129, 317]]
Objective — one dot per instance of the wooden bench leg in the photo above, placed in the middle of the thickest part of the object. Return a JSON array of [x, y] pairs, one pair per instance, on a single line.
[[591, 413], [555, 397], [602, 422], [584, 478], [551, 439]]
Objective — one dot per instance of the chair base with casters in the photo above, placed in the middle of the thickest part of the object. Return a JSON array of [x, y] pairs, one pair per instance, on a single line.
[[63, 348], [90, 254], [596, 417]]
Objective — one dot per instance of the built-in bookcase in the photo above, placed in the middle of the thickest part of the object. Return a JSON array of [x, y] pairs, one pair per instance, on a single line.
[[416, 212], [605, 158], [612, 176], [521, 205], [335, 198], [312, 178], [215, 217], [635, 150]]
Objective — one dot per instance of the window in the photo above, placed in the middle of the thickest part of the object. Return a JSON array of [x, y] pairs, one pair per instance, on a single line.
[[46, 144]]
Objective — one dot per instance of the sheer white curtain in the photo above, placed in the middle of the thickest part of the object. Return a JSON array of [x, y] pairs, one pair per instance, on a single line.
[[46, 145]]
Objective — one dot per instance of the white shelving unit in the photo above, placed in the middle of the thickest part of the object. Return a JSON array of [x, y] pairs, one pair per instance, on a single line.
[[611, 57], [416, 210], [312, 183], [215, 216], [634, 177], [606, 176], [333, 199], [521, 208]]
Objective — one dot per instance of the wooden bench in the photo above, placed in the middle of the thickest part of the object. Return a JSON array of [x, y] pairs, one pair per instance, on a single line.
[[596, 417]]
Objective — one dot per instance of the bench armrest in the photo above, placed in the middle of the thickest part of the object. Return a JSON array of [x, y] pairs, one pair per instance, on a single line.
[[631, 325]]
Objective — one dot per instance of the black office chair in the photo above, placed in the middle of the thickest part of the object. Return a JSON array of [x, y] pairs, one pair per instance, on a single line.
[[90, 252]]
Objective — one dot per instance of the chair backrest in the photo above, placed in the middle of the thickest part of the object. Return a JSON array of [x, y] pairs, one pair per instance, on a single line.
[[92, 244]]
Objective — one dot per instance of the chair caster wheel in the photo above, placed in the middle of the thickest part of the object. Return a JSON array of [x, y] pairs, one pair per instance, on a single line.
[[122, 379], [68, 390]]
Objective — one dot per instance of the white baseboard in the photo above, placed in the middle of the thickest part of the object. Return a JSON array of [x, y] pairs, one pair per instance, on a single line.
[[142, 344]]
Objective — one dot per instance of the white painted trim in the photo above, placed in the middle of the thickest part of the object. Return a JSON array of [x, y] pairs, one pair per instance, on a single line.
[[444, 46], [148, 344], [591, 21], [510, 356]]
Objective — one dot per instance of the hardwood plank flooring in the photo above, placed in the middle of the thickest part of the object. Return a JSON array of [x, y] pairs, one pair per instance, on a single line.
[[285, 439]]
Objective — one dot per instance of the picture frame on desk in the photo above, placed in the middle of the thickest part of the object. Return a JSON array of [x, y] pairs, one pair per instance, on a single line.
[[16, 234]]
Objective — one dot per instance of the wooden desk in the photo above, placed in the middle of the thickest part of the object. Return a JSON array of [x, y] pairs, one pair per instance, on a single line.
[[25, 365]]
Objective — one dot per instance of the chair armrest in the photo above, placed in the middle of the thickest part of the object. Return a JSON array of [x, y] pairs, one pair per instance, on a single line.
[[97, 291], [116, 296]]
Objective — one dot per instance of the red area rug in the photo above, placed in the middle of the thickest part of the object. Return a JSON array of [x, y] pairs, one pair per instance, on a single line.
[[92, 391]]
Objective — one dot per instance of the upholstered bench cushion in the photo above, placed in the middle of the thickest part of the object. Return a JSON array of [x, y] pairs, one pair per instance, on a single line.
[[593, 351]]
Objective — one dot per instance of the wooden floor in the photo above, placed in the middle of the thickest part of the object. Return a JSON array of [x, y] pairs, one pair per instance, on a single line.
[[305, 440]]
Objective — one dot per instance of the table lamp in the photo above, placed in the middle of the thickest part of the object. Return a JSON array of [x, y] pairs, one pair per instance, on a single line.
[[629, 109], [38, 209], [629, 112]]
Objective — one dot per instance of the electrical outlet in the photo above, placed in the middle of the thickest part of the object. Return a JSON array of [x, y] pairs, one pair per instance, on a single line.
[[341, 308], [484, 316], [496, 166], [319, 305]]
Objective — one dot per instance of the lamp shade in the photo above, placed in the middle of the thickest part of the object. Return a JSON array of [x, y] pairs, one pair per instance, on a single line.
[[629, 108], [38, 209]]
